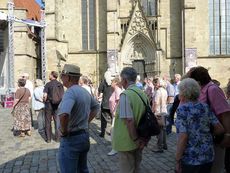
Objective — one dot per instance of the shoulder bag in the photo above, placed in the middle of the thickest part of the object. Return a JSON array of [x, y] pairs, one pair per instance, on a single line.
[[12, 112], [148, 125]]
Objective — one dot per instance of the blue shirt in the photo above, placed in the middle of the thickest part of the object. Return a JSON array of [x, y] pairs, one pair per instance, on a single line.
[[139, 85], [77, 103], [194, 119], [176, 88]]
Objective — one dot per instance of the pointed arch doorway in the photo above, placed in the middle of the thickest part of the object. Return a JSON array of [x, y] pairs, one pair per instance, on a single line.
[[140, 53], [139, 66]]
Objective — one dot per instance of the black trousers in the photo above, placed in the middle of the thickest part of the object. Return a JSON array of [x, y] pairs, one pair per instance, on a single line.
[[227, 160], [105, 116], [51, 111], [205, 168]]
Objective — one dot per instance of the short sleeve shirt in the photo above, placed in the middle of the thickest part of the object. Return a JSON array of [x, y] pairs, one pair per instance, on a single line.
[[125, 109], [161, 100], [170, 91], [107, 91], [19, 93], [48, 88], [218, 103], [194, 119], [114, 100], [77, 103]]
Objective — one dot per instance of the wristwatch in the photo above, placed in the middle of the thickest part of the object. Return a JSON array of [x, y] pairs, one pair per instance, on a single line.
[[227, 134]]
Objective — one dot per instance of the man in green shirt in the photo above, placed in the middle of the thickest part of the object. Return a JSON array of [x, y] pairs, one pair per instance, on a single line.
[[128, 114]]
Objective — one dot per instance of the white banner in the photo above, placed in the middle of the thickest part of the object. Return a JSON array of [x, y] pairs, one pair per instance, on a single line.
[[190, 58]]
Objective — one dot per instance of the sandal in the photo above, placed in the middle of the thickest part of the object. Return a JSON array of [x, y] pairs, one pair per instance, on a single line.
[[22, 135], [28, 133]]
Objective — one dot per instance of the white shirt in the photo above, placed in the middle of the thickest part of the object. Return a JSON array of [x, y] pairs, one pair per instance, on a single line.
[[87, 88], [29, 85]]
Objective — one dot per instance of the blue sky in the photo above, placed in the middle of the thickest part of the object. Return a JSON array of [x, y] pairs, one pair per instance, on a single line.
[[40, 3]]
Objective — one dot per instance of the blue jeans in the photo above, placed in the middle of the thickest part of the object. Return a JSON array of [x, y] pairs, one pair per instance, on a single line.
[[168, 119], [72, 154]]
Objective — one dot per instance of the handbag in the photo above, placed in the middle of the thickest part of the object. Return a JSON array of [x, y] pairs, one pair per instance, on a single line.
[[148, 125], [13, 110], [161, 119]]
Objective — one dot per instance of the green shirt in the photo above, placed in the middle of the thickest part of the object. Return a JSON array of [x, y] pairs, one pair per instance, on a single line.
[[121, 138]]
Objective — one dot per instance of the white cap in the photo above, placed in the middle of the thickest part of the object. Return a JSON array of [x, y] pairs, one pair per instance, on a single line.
[[25, 75]]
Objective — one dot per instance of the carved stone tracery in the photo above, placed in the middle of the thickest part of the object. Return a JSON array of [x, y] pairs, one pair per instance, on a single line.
[[138, 24]]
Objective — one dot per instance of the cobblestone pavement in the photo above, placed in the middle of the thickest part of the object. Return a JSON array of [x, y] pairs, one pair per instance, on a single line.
[[33, 154]]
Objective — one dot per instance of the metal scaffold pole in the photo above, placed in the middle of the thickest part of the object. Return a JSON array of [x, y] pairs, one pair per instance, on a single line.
[[11, 45], [43, 46]]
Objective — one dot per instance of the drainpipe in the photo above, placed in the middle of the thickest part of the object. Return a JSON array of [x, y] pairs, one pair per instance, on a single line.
[[183, 36]]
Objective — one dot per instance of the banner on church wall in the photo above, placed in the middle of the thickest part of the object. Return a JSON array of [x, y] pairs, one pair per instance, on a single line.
[[112, 60], [190, 58]]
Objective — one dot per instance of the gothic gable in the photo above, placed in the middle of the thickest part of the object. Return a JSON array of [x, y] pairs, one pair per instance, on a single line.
[[138, 25], [138, 45]]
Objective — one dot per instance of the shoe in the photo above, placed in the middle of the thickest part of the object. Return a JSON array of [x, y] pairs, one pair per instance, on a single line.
[[102, 136], [157, 150], [112, 152], [22, 135], [48, 141], [165, 147]]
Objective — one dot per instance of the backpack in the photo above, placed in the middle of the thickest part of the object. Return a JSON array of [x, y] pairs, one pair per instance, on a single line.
[[57, 92], [148, 125]]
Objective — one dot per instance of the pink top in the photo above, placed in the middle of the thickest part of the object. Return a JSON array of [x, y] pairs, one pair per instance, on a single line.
[[216, 97], [114, 100]]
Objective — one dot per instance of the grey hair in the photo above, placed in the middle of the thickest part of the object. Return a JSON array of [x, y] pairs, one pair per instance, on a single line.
[[130, 74], [84, 79], [177, 76], [39, 82], [190, 89]]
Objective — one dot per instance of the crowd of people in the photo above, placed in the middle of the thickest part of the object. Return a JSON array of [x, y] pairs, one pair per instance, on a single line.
[[202, 121]]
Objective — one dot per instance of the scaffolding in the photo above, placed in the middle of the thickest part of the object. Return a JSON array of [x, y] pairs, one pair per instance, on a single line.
[[11, 45], [11, 19]]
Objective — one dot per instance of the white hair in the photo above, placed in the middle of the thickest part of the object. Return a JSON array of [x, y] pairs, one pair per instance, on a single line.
[[108, 77], [138, 78], [189, 89], [177, 76]]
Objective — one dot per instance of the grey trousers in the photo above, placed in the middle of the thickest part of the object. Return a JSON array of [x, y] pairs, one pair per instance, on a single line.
[[129, 161], [161, 142], [218, 162]]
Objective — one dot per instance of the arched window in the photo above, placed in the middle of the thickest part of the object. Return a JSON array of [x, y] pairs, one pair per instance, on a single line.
[[219, 27], [88, 24], [150, 7]]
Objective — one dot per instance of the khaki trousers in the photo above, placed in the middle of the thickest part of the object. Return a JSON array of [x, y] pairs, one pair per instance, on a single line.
[[129, 161], [218, 162]]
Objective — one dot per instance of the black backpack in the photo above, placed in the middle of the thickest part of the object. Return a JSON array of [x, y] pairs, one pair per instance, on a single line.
[[148, 125], [57, 93]]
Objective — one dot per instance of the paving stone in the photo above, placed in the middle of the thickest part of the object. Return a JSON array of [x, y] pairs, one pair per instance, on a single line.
[[32, 154]]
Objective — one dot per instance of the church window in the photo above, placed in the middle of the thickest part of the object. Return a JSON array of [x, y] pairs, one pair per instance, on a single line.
[[88, 24], [219, 27], [149, 7]]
